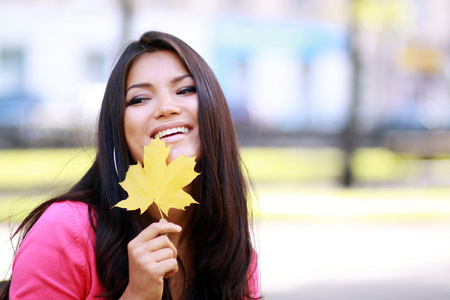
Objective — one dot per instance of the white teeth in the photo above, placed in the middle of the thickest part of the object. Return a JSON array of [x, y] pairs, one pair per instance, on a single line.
[[166, 132]]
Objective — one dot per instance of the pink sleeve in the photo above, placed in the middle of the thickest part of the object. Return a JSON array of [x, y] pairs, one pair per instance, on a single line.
[[56, 259], [254, 277]]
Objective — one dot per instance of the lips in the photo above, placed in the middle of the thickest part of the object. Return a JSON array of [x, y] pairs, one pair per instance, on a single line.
[[171, 131]]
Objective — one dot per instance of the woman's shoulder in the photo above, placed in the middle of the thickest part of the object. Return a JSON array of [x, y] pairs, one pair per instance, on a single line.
[[64, 220], [67, 206], [66, 212], [62, 236]]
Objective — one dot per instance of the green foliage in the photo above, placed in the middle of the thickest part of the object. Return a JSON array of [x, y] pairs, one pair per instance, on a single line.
[[294, 177], [42, 168], [292, 164]]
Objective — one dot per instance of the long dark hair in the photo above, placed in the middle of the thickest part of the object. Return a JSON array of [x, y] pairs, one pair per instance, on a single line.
[[219, 231]]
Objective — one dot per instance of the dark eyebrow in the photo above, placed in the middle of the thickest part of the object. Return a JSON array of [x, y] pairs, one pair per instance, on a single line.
[[139, 85], [149, 85], [179, 78]]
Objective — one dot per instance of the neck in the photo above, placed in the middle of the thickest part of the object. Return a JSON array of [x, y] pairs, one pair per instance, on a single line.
[[180, 217]]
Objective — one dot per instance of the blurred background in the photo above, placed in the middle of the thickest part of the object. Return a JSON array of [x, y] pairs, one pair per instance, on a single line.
[[342, 110]]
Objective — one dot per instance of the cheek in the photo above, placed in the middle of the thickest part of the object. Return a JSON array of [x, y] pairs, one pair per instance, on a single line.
[[133, 136], [128, 128], [195, 145], [133, 124]]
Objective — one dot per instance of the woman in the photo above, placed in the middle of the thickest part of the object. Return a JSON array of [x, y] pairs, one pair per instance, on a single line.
[[76, 246]]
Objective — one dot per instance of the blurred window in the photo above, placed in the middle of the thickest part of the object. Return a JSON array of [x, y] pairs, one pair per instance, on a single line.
[[12, 70], [237, 86], [95, 67], [233, 4]]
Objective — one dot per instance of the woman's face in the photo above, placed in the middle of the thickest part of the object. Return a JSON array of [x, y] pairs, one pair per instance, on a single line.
[[161, 101]]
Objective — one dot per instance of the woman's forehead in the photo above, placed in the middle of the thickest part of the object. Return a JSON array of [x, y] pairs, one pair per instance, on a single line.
[[155, 65]]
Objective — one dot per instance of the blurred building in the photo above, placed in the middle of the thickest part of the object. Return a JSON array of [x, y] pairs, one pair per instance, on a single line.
[[405, 47], [284, 65]]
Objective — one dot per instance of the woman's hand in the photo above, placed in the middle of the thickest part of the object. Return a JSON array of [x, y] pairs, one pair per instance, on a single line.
[[151, 257]]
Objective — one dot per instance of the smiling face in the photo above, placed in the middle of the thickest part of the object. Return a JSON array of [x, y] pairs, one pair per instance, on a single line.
[[161, 101]]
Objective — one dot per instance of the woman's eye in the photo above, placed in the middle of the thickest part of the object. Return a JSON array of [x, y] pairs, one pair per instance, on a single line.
[[188, 90], [137, 100]]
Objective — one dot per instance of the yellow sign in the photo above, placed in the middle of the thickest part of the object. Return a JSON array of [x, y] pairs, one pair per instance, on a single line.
[[421, 59]]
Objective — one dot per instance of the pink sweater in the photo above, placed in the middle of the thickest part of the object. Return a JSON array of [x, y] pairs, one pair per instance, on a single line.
[[56, 260]]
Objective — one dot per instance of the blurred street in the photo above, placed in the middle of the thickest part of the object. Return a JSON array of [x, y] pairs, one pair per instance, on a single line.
[[355, 245], [345, 256], [315, 260]]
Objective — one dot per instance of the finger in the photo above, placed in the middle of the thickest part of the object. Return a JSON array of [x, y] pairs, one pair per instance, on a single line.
[[163, 268], [138, 248], [169, 267], [162, 254], [170, 274], [163, 221], [157, 270], [161, 242], [156, 229], [145, 249]]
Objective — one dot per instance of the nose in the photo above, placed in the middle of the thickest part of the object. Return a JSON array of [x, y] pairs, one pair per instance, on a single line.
[[166, 106]]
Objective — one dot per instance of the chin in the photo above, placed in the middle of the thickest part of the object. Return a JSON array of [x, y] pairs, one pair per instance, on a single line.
[[174, 154]]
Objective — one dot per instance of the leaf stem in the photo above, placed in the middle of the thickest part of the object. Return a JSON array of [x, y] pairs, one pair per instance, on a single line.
[[160, 211]]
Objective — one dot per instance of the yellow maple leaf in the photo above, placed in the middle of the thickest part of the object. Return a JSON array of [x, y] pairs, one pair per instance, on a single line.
[[158, 182]]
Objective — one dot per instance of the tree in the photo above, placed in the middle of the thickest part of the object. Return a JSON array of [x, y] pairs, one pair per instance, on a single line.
[[126, 8], [374, 15]]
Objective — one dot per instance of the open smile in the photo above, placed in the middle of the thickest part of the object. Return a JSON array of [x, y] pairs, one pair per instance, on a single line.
[[170, 132]]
